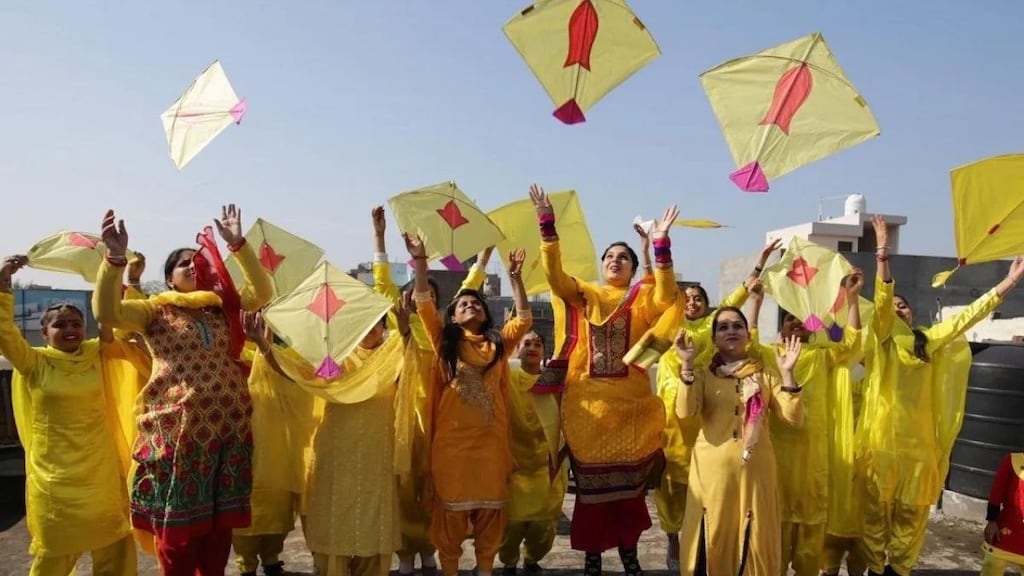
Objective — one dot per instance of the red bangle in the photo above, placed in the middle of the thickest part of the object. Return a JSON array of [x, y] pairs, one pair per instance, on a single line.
[[117, 261], [882, 258], [237, 247]]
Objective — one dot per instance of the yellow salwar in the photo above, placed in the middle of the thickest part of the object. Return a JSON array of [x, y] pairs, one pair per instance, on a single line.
[[76, 456], [415, 516], [911, 415], [612, 421], [802, 452], [352, 513], [732, 506], [468, 428], [535, 499], [997, 561], [679, 435], [281, 427], [117, 559]]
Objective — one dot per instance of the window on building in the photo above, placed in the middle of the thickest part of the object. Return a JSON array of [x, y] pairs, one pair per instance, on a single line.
[[845, 246]]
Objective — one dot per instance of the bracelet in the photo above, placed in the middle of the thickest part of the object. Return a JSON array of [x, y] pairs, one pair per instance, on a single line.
[[687, 376], [547, 226], [758, 269], [236, 247], [422, 296], [118, 261], [883, 247], [792, 389], [882, 258], [419, 257]]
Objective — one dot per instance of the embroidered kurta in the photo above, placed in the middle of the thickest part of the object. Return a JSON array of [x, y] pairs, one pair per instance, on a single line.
[[470, 452], [735, 501], [75, 493], [193, 452], [534, 495], [611, 419]]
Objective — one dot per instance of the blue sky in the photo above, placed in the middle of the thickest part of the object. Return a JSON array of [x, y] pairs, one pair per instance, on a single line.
[[352, 102]]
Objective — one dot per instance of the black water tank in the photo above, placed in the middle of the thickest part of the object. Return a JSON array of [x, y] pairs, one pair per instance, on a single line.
[[993, 417]]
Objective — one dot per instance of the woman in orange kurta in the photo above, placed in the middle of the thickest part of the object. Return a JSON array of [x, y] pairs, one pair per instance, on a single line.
[[470, 457], [611, 419]]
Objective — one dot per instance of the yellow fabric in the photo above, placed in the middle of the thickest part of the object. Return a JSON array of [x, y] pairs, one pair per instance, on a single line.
[[363, 375], [988, 222], [466, 232], [376, 565], [533, 496], [450, 528], [610, 420], [670, 501], [913, 409], [802, 546], [76, 456], [71, 252], [273, 512], [835, 549], [698, 223], [117, 559], [998, 560], [352, 497], [202, 112], [806, 282], [623, 45], [251, 551], [536, 538], [802, 452], [325, 317], [894, 534], [518, 222], [727, 494], [832, 118], [287, 258]]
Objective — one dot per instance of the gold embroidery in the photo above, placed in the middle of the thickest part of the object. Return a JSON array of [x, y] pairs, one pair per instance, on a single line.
[[469, 383], [608, 346]]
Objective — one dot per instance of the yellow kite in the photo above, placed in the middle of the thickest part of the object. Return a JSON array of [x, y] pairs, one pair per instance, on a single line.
[[286, 257], [807, 283], [784, 108], [580, 49], [518, 222], [452, 227], [72, 252], [207, 107], [325, 317], [648, 225], [988, 211]]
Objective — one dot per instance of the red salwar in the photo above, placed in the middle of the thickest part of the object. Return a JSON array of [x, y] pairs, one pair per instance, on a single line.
[[600, 526]]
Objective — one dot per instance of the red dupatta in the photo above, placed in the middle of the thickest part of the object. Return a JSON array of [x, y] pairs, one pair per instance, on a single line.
[[212, 274]]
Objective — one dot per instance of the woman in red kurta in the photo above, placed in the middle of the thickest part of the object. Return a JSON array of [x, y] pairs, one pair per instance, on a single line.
[[1004, 533]]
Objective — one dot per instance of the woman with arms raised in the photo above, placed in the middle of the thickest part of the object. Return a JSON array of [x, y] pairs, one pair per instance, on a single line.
[[193, 455]]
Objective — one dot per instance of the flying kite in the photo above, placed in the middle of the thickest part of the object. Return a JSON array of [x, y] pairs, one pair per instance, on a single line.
[[580, 49], [784, 108], [988, 211], [452, 227], [518, 222], [207, 107], [71, 252], [287, 258], [807, 282], [648, 225], [326, 316]]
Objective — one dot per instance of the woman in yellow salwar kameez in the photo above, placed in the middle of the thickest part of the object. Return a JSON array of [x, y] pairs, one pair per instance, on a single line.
[[802, 452], [535, 501], [732, 510], [912, 414], [76, 456], [468, 427], [670, 498], [415, 517], [611, 419]]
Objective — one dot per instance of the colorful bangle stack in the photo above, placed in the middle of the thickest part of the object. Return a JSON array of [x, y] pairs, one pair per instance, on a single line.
[[882, 254], [547, 226], [662, 250]]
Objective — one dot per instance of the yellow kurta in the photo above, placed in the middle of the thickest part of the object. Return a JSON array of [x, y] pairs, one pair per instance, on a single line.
[[534, 496], [610, 415], [736, 501], [76, 493]]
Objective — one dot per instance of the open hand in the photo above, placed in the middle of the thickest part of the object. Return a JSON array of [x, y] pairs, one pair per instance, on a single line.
[[414, 245], [255, 327], [114, 235], [685, 347], [516, 258], [788, 355], [1016, 270], [379, 222], [540, 200], [664, 224], [229, 225], [881, 231]]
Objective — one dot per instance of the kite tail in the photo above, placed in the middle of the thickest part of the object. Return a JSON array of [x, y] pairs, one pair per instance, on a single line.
[[212, 274]]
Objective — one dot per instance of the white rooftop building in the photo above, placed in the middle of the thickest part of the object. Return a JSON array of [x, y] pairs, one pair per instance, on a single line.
[[851, 232]]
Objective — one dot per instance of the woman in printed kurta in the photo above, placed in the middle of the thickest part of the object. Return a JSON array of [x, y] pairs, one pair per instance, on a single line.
[[415, 517], [670, 498], [912, 414], [611, 419], [802, 452], [75, 452], [732, 510], [470, 454], [535, 499], [193, 455]]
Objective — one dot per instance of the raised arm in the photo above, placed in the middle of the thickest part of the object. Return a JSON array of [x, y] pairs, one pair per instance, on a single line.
[[645, 249], [478, 271], [885, 289], [259, 288], [785, 390], [107, 304], [562, 285], [517, 327], [690, 391], [665, 288], [382, 283], [13, 345], [425, 307]]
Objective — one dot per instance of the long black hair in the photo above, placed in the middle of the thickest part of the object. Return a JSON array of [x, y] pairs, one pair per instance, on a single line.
[[408, 287], [172, 262], [920, 338], [451, 334], [632, 254]]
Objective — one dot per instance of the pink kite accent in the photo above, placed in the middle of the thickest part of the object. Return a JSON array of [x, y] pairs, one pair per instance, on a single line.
[[452, 263], [582, 32], [812, 323], [328, 369], [269, 258], [76, 239], [325, 304], [791, 92], [238, 110], [801, 272], [570, 113], [750, 178]]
